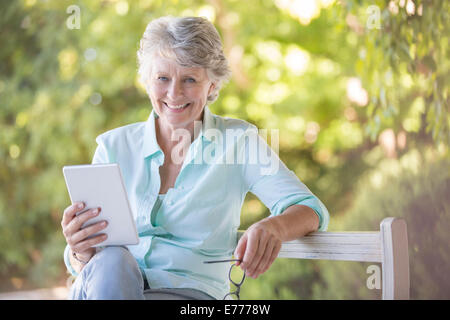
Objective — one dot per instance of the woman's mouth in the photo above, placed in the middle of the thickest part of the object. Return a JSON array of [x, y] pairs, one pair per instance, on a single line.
[[177, 108]]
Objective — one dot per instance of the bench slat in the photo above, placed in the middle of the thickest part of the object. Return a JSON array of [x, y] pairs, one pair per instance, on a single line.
[[361, 257], [345, 246]]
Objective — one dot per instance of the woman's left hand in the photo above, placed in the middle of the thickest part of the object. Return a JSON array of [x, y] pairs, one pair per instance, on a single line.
[[258, 248]]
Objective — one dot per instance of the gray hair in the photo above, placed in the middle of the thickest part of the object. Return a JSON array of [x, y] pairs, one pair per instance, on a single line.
[[191, 42]]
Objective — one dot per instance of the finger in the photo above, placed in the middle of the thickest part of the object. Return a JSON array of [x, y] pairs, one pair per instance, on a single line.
[[86, 232], [251, 251], [76, 223], [86, 244], [260, 253], [273, 256], [262, 244], [70, 212], [265, 258], [240, 249]]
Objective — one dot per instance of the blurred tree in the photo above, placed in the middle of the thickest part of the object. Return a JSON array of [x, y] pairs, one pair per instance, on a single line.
[[311, 69], [402, 49], [415, 188]]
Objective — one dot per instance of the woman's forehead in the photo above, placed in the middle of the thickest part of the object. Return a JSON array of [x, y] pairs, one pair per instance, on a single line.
[[167, 65]]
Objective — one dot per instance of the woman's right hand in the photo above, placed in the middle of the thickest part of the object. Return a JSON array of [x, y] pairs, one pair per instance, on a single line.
[[76, 236]]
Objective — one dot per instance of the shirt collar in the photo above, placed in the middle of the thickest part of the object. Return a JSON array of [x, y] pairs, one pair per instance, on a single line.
[[151, 146]]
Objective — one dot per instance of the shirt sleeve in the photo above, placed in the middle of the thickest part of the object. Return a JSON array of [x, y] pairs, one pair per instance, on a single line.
[[67, 262], [274, 184]]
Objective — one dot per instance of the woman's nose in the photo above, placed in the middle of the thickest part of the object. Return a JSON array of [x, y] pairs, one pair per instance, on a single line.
[[174, 91]]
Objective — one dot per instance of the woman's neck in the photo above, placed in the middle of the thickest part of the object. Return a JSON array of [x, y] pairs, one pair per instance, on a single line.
[[170, 137]]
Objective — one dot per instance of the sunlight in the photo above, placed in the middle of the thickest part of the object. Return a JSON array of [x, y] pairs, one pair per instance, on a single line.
[[356, 93], [14, 151], [22, 119], [67, 63], [271, 94], [207, 12], [312, 130], [122, 8], [269, 51], [303, 10], [297, 60], [296, 124]]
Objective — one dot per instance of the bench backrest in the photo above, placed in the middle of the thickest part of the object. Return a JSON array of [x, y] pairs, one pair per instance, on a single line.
[[389, 246]]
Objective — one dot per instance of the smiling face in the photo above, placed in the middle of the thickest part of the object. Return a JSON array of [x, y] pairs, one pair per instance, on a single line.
[[178, 94]]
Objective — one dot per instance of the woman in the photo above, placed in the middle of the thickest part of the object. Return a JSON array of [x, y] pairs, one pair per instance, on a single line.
[[185, 186]]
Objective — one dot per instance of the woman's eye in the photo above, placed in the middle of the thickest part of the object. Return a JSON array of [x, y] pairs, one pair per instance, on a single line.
[[163, 78], [190, 80]]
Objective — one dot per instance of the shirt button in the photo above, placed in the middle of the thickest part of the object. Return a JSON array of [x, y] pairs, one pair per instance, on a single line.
[[181, 187]]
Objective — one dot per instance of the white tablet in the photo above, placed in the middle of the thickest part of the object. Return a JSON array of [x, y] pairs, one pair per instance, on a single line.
[[101, 185]]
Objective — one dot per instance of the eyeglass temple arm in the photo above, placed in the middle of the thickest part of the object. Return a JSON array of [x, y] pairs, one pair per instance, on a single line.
[[219, 261]]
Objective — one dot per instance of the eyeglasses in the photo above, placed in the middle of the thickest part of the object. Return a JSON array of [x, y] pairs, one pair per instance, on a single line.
[[236, 284]]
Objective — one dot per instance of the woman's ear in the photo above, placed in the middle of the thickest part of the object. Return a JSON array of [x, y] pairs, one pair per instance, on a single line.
[[211, 88]]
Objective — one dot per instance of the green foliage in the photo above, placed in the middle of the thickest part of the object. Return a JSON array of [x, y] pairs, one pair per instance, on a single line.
[[404, 60], [287, 279], [61, 87]]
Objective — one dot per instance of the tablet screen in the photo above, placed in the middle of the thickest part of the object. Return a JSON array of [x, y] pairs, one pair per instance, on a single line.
[[101, 185]]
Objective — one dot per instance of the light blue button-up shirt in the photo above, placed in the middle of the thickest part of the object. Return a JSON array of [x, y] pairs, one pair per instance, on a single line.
[[198, 218]]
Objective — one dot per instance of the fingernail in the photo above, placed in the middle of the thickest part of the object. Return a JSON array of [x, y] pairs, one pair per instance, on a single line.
[[95, 211], [80, 205]]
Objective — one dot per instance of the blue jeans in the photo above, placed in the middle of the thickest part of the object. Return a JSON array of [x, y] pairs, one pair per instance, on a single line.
[[113, 274]]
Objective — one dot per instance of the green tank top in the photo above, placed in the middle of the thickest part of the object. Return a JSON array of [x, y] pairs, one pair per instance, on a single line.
[[155, 209]]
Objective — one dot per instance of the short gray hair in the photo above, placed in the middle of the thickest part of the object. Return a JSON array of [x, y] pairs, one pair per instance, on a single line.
[[191, 42]]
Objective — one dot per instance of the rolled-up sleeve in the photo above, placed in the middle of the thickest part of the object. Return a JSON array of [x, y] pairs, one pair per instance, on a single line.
[[277, 186]]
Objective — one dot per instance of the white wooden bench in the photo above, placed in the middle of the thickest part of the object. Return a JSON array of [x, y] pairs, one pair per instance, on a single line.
[[389, 246]]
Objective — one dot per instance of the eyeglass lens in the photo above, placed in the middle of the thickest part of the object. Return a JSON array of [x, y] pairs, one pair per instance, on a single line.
[[235, 279]]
